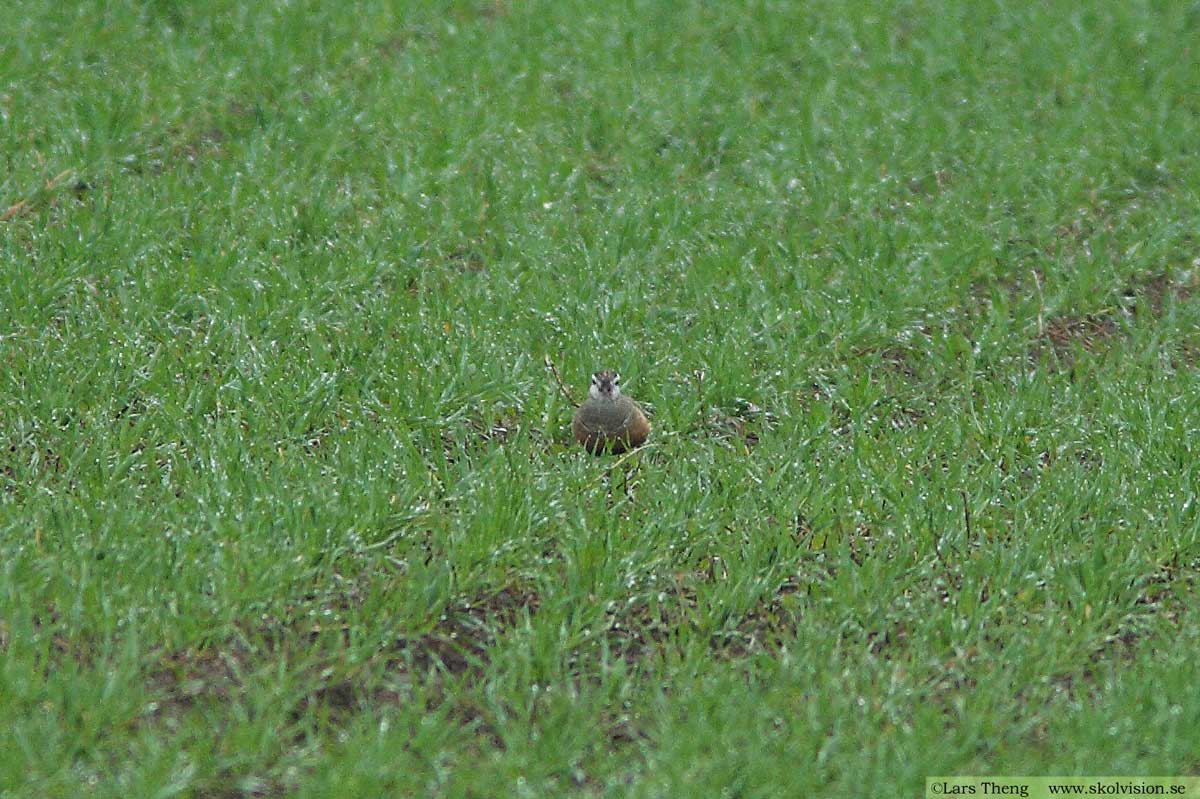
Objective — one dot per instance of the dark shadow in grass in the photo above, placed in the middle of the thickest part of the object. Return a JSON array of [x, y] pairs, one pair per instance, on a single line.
[[469, 258], [1062, 337], [486, 430], [436, 661], [457, 646], [930, 184], [487, 11], [182, 679], [899, 361], [1064, 334], [644, 624], [48, 195], [738, 423], [231, 786], [742, 423], [1158, 291], [1165, 594], [642, 629], [639, 630]]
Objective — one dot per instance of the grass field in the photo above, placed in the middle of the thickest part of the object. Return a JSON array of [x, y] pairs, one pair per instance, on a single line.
[[288, 500]]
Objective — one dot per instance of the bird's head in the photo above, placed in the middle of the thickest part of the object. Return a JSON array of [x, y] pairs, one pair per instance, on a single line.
[[606, 385]]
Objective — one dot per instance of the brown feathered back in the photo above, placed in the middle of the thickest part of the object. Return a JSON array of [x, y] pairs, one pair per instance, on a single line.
[[615, 426]]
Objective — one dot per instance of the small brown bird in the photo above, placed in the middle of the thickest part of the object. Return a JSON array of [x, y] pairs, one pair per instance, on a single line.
[[609, 422]]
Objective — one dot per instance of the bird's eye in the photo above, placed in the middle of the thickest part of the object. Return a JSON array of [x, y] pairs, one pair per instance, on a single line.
[[616, 379]]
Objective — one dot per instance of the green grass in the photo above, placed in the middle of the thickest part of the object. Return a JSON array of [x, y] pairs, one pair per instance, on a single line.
[[288, 501]]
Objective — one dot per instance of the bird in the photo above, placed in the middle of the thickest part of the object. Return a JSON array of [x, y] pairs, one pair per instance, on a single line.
[[609, 421]]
